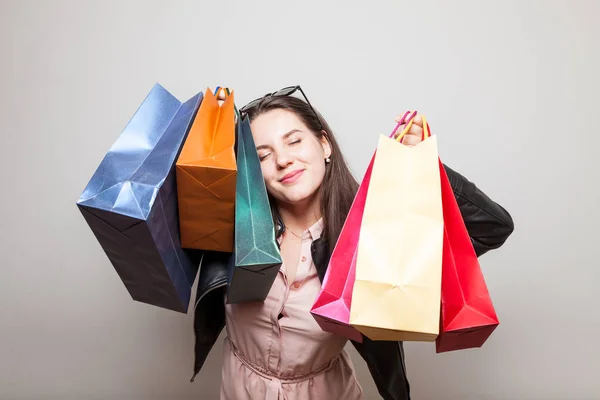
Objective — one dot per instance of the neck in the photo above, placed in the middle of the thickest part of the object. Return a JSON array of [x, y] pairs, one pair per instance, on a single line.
[[300, 216]]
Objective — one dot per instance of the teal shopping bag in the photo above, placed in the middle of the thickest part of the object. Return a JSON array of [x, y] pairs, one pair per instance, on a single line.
[[256, 253]]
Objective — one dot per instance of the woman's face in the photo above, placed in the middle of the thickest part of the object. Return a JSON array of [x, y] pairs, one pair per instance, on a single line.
[[292, 157]]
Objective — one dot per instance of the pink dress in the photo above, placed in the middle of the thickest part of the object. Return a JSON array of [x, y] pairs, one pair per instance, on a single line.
[[275, 350]]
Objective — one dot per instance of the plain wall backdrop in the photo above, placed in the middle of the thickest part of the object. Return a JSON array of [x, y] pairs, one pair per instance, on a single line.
[[509, 87]]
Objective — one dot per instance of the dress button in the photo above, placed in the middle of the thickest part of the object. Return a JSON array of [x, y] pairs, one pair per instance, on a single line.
[[296, 285], [303, 259]]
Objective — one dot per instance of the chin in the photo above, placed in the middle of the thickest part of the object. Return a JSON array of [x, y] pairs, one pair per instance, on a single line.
[[294, 195]]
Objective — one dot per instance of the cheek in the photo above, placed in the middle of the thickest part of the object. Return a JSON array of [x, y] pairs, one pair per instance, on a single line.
[[314, 157], [317, 158], [267, 173], [312, 153], [319, 169]]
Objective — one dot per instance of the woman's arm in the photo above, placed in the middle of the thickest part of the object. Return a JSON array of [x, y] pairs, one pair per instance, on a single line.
[[209, 308], [488, 223]]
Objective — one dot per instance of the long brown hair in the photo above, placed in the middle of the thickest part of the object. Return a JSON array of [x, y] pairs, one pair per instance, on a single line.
[[338, 188]]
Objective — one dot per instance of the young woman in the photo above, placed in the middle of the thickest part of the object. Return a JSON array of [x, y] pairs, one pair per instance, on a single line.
[[275, 349]]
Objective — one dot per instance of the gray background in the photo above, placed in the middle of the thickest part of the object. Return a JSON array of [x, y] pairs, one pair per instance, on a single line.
[[509, 87]]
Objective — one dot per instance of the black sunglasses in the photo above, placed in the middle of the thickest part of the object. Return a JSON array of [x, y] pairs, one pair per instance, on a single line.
[[286, 91]]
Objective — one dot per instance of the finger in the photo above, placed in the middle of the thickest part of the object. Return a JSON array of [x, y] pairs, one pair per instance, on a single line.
[[402, 117], [418, 121], [416, 131], [399, 130], [404, 121], [411, 140], [221, 95]]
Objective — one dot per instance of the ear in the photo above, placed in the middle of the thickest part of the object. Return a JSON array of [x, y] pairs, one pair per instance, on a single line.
[[326, 145]]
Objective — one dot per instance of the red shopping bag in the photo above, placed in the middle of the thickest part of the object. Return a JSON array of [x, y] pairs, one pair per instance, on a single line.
[[467, 316], [331, 308]]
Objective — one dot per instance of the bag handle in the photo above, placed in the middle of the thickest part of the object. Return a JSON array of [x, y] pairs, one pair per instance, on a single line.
[[228, 92], [237, 113], [218, 90], [426, 129], [407, 127]]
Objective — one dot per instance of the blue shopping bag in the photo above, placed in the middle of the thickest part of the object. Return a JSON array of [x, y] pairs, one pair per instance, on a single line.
[[130, 203]]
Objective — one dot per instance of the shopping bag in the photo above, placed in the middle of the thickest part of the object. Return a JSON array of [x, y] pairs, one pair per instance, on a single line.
[[130, 203], [331, 308], [397, 290], [468, 317], [257, 256], [206, 178]]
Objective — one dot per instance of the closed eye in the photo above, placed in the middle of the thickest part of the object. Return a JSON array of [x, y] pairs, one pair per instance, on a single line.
[[295, 141], [262, 157]]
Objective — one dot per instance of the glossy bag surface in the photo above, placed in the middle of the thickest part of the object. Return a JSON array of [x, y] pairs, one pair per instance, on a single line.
[[257, 256], [130, 203], [468, 317]]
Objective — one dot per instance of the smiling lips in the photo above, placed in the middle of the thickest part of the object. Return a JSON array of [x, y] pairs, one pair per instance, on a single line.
[[292, 176]]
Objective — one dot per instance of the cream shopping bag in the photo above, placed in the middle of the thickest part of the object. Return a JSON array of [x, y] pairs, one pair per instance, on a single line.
[[397, 291]]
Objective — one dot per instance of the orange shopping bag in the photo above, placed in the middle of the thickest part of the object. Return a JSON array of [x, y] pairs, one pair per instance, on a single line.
[[206, 177]]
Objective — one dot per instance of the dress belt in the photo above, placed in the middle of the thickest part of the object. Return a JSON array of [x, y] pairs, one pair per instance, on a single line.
[[275, 388]]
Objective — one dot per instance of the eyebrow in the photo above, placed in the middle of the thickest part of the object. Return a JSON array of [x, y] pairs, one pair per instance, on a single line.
[[290, 133]]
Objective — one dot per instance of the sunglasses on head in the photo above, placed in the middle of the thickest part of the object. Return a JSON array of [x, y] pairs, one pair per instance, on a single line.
[[286, 91]]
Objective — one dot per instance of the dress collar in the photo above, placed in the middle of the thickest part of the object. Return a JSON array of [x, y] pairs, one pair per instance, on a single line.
[[314, 232]]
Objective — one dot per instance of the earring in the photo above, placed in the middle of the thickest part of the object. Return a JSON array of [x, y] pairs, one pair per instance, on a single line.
[[328, 160]]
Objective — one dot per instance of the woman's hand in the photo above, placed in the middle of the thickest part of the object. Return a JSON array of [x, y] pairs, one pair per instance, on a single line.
[[222, 97], [415, 134]]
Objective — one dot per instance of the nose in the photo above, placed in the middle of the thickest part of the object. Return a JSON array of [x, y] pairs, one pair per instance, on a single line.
[[283, 160]]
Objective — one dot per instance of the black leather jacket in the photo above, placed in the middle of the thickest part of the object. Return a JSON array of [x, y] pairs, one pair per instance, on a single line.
[[488, 224]]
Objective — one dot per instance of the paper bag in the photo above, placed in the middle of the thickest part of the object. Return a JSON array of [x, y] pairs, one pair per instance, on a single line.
[[130, 203], [206, 178], [257, 256], [396, 294], [468, 317], [331, 308]]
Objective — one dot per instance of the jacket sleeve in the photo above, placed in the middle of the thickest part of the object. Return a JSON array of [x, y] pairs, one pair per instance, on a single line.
[[209, 310], [385, 360], [209, 321], [488, 223]]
